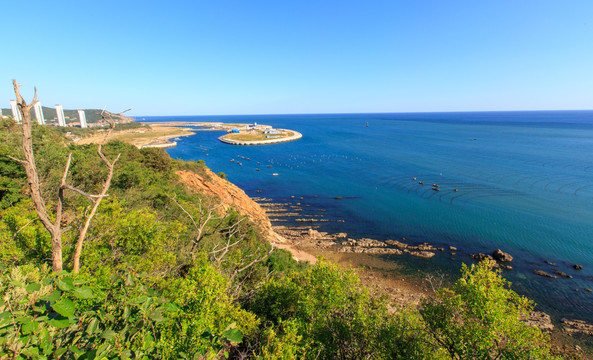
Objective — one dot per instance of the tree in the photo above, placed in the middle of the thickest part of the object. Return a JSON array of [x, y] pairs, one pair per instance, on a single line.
[[480, 317], [54, 227]]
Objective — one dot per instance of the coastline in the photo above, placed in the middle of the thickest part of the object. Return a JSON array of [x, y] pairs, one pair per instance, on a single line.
[[157, 135], [375, 272]]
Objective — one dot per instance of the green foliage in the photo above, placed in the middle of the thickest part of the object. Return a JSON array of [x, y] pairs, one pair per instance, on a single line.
[[222, 175], [324, 312], [22, 236], [48, 316], [480, 318]]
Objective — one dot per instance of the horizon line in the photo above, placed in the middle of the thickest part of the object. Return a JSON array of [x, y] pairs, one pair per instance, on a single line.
[[363, 113]]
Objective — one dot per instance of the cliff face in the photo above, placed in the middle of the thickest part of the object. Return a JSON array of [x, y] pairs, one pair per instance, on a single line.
[[230, 196]]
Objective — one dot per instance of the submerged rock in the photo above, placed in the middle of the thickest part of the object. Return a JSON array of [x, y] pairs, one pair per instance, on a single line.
[[422, 254], [479, 257], [577, 326], [396, 243], [544, 274], [502, 256], [562, 274], [364, 242]]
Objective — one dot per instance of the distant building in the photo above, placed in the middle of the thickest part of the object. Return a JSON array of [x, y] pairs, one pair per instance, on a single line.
[[39, 113], [82, 118], [60, 113], [16, 114]]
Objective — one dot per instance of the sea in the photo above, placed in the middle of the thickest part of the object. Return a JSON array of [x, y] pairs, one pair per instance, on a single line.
[[521, 182]]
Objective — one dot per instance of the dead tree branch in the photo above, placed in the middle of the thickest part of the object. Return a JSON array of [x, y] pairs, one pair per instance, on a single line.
[[206, 214], [96, 198], [54, 227]]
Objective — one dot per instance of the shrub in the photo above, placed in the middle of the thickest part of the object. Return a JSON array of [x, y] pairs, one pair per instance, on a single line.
[[480, 318]]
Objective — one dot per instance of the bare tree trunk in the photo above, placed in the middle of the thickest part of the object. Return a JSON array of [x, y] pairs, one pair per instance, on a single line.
[[33, 180]]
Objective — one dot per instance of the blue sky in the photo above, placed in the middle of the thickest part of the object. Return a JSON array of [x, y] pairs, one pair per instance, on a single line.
[[274, 57]]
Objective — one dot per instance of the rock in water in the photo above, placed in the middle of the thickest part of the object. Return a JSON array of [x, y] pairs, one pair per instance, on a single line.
[[502, 256], [544, 274], [562, 274]]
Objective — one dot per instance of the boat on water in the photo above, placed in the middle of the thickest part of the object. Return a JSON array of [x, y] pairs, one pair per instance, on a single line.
[[275, 174]]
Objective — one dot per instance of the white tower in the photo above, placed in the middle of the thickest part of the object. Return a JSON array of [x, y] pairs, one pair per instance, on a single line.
[[82, 118], [60, 113], [16, 114], [39, 113]]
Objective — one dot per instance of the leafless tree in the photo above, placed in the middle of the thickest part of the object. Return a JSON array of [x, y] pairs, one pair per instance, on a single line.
[[207, 211], [55, 227]]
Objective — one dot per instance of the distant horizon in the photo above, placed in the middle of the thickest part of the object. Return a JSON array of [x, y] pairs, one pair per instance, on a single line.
[[369, 113]]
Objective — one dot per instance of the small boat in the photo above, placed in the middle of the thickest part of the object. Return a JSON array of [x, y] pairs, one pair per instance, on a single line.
[[420, 182], [456, 189], [435, 189], [256, 169], [232, 160], [367, 124], [269, 166], [275, 174], [414, 178], [240, 164], [435, 185]]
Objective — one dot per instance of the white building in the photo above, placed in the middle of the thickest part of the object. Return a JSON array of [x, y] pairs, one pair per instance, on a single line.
[[16, 114], [39, 113], [60, 113], [82, 118]]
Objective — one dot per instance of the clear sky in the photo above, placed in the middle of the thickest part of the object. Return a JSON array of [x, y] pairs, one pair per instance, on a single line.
[[280, 56]]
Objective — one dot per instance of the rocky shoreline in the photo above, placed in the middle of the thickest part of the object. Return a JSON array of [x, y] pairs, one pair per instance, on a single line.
[[308, 238], [306, 243]]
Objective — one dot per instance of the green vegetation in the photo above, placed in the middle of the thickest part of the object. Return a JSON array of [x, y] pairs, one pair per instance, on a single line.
[[166, 274]]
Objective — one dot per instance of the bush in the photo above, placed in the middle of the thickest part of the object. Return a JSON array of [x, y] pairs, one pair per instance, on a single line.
[[335, 317], [480, 318]]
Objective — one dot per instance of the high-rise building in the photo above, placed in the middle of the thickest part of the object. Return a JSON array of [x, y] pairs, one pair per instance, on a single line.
[[60, 113], [39, 113], [82, 117], [16, 114]]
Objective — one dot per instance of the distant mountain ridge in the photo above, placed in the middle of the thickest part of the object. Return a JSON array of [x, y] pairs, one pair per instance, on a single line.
[[92, 115]]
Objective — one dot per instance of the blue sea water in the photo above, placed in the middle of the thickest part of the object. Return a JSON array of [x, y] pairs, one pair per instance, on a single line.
[[524, 180]]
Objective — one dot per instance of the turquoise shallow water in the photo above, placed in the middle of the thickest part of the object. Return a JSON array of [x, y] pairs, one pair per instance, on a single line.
[[524, 180]]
